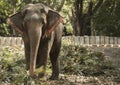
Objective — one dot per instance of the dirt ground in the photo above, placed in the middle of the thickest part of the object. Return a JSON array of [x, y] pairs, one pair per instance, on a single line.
[[79, 80]]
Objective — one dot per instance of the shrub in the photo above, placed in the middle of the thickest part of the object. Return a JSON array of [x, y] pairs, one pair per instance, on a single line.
[[78, 60]]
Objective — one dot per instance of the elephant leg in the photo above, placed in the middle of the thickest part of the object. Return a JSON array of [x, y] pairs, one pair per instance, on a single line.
[[34, 37], [42, 57], [55, 62], [27, 55], [38, 59], [27, 51]]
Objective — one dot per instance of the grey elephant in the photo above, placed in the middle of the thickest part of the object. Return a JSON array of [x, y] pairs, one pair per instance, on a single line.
[[41, 29]]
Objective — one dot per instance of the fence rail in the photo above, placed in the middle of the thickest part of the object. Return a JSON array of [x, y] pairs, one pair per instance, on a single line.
[[92, 40], [96, 43], [74, 40], [10, 41]]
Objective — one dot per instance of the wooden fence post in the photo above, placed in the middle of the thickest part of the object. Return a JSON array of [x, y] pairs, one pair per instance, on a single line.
[[70, 40]]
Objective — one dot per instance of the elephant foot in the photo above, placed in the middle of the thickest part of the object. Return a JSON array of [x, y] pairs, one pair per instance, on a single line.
[[34, 76], [54, 78], [38, 65]]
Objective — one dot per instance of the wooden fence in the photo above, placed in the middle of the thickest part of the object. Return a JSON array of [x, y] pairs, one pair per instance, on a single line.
[[68, 40], [108, 45], [92, 41], [11, 41]]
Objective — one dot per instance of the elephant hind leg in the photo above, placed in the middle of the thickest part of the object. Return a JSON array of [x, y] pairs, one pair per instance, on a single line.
[[55, 62]]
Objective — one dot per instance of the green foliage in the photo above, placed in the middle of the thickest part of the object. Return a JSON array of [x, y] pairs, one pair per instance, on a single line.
[[12, 65], [74, 60], [78, 60], [66, 13], [107, 20], [8, 7]]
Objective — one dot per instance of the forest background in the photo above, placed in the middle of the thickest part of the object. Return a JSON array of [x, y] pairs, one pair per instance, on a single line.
[[81, 17]]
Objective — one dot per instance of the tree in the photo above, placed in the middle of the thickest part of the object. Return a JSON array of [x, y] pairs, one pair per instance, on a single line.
[[8, 7], [55, 4], [83, 12], [82, 17], [107, 19]]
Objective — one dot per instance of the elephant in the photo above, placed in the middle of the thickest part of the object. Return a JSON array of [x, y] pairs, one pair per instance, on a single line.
[[41, 28]]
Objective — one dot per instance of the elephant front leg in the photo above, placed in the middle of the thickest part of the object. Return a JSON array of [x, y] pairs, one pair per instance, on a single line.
[[42, 57]]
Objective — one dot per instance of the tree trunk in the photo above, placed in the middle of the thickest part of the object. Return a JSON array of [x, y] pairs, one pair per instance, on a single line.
[[82, 23]]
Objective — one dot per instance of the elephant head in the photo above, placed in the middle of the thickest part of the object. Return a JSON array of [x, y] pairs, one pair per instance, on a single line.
[[33, 22], [37, 14]]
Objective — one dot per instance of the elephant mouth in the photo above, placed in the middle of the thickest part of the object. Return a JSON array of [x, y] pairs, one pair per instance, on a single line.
[[13, 25]]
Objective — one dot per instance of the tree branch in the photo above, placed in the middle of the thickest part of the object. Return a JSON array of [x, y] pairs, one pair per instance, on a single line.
[[54, 3], [61, 5], [90, 8], [97, 6]]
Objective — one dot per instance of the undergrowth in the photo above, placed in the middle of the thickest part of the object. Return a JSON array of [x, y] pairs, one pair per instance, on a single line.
[[75, 60], [80, 61]]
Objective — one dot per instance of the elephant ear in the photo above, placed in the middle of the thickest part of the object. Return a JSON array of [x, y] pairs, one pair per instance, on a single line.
[[16, 21], [53, 19]]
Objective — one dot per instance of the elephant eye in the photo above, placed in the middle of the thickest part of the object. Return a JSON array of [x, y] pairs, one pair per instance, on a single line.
[[24, 12]]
